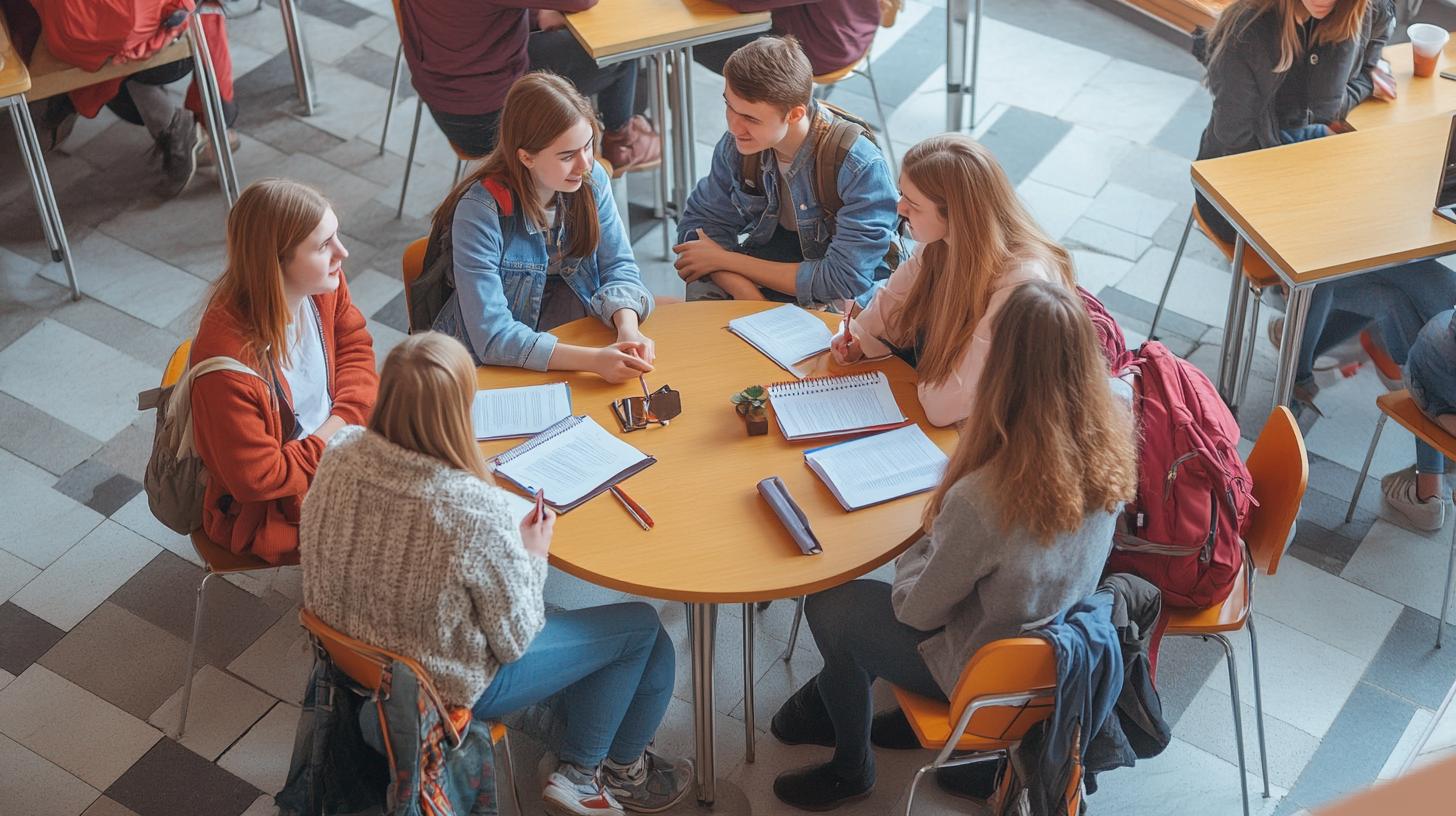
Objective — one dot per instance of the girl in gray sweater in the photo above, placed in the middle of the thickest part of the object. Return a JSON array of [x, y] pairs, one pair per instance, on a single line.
[[407, 545], [1020, 528]]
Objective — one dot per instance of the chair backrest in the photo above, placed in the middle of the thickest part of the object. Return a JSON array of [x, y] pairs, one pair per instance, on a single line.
[[176, 364], [1009, 666], [1279, 467], [412, 265]]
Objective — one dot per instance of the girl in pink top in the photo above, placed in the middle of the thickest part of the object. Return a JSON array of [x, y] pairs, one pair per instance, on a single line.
[[976, 243]]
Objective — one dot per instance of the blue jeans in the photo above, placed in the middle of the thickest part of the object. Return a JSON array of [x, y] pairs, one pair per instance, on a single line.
[[613, 668], [1431, 377], [860, 639]]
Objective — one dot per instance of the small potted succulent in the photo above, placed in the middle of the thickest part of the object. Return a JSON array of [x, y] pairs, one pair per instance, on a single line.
[[750, 402]]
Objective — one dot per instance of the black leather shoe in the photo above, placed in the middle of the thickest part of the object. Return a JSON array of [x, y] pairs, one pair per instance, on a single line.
[[819, 787], [803, 719], [892, 730]]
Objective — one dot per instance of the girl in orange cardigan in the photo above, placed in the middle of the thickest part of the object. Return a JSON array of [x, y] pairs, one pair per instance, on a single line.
[[282, 308]]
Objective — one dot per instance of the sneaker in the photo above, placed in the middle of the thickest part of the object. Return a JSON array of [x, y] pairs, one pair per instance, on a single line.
[[636, 146], [803, 719], [1399, 490], [652, 784], [570, 791], [1386, 367], [820, 787], [179, 145]]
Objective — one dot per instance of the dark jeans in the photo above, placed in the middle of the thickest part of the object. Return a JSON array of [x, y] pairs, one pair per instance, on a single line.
[[783, 247], [473, 134], [860, 639], [126, 108], [712, 55]]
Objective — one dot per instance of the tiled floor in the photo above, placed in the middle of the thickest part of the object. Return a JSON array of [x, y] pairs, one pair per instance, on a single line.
[[1094, 118]]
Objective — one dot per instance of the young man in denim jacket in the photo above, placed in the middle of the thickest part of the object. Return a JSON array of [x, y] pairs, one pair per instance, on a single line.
[[791, 252]]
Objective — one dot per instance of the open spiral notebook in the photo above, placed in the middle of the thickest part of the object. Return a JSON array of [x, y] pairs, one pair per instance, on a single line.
[[573, 461], [829, 406]]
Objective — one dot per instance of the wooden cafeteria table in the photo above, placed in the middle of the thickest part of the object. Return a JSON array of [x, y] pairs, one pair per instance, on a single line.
[[715, 541]]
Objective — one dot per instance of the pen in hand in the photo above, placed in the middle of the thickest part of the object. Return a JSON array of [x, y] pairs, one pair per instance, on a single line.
[[539, 515], [848, 309]]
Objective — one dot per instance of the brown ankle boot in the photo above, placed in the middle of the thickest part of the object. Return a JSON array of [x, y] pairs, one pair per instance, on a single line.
[[633, 147]]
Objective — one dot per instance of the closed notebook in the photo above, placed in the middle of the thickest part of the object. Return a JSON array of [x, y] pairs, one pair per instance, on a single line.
[[785, 334], [874, 469], [501, 413], [573, 461], [829, 406]]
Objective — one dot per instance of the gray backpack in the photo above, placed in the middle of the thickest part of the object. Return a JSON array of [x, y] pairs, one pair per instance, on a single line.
[[175, 479]]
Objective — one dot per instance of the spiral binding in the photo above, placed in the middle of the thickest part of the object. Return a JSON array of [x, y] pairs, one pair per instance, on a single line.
[[821, 385], [538, 440]]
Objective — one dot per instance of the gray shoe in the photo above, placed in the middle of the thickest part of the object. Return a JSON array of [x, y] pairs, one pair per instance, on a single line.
[[179, 145], [652, 784], [1399, 490]]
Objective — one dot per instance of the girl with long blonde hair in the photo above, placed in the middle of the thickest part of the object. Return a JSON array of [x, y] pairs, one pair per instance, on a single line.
[[1019, 530], [532, 239], [408, 545], [976, 244], [282, 309]]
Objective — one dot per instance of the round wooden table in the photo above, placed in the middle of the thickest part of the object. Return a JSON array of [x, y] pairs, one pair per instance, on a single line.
[[715, 540]]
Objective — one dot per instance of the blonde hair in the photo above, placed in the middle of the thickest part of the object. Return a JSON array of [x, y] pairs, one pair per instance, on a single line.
[[271, 218], [987, 230], [540, 106], [425, 392], [1343, 23], [1046, 431]]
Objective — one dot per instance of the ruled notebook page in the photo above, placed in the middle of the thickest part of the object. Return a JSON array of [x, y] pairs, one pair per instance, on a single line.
[[834, 405], [785, 334], [500, 413], [573, 462], [875, 469]]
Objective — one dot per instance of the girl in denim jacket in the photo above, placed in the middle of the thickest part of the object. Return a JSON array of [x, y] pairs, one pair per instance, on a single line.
[[537, 242]]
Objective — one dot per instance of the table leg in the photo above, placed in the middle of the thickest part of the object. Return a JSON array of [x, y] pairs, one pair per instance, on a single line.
[[690, 142], [1228, 359], [677, 90], [664, 171], [297, 55], [956, 12], [703, 626], [1295, 315]]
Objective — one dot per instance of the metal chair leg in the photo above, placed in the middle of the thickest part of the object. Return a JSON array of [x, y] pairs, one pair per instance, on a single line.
[[748, 678], [1233, 335], [1446, 597], [1365, 469], [915, 783], [794, 631], [1228, 651], [511, 771], [1248, 362], [869, 75], [1168, 284], [211, 96], [409, 160], [393, 90], [192, 653], [45, 195], [1259, 704]]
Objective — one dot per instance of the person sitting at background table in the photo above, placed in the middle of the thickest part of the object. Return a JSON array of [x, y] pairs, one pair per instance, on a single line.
[[975, 243], [464, 56], [1284, 71], [282, 308], [1020, 528], [409, 546], [1419, 492], [794, 251], [833, 33], [532, 239]]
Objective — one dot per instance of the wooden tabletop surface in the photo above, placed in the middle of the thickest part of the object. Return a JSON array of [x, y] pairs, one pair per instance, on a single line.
[[715, 540], [14, 78], [621, 26], [1416, 97], [1330, 207]]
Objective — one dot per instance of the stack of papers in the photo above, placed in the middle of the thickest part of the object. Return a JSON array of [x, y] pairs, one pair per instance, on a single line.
[[875, 469], [786, 335], [502, 413]]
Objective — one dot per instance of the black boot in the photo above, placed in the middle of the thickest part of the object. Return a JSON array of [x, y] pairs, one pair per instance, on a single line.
[[820, 787], [891, 729], [803, 719]]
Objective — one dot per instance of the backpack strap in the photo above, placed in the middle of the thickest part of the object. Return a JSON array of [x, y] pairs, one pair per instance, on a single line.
[[831, 146], [179, 402], [505, 204]]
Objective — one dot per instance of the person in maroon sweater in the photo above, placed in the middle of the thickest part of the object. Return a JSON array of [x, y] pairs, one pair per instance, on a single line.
[[463, 56], [833, 33]]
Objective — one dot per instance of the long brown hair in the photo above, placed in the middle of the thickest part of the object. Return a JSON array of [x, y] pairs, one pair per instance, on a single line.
[[425, 391], [1046, 430], [1343, 23], [269, 221], [988, 230], [539, 107]]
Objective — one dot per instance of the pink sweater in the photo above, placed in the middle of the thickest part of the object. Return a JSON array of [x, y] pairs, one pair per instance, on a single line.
[[949, 401]]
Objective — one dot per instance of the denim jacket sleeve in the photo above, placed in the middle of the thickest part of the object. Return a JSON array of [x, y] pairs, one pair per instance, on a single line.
[[496, 336], [863, 230], [619, 281], [710, 206]]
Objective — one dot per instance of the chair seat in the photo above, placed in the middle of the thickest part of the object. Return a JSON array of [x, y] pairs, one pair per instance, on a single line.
[[220, 559], [931, 722], [1256, 269], [1228, 616], [49, 76], [14, 78], [1399, 406], [832, 77]]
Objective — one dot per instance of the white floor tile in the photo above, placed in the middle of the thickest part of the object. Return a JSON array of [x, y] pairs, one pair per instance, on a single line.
[[262, 806], [1407, 744], [1199, 291], [51, 524], [222, 709], [14, 574], [1335, 611], [136, 515], [1184, 780], [67, 590], [371, 289], [279, 662], [5, 678], [1081, 161], [1402, 565], [1032, 71], [138, 284], [1343, 433], [1208, 723], [385, 339], [1130, 210], [1096, 270], [1129, 100], [261, 757], [31, 784], [74, 378], [72, 727], [1099, 237], [1054, 208]]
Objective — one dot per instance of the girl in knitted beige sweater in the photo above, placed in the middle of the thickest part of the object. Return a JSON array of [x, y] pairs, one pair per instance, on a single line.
[[407, 545]]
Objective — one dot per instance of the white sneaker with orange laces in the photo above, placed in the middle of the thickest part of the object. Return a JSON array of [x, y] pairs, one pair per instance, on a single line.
[[570, 791]]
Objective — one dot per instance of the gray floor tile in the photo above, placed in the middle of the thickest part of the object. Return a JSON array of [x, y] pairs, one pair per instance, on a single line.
[[1082, 23], [106, 806], [23, 638], [38, 437], [1322, 548], [185, 232], [1182, 133], [170, 779], [1169, 324], [1409, 664], [1184, 665], [163, 594], [915, 56], [1355, 748], [139, 339], [1328, 512], [120, 658], [364, 62], [1020, 139], [394, 314], [25, 297], [338, 12], [128, 451], [98, 486], [33, 784]]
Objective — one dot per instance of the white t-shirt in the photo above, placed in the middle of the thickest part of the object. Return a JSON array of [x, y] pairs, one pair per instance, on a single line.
[[306, 370]]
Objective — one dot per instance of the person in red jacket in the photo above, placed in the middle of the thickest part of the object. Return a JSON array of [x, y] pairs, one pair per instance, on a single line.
[[282, 308], [833, 33]]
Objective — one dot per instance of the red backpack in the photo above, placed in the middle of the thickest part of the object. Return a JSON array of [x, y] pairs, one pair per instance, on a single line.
[[1184, 532]]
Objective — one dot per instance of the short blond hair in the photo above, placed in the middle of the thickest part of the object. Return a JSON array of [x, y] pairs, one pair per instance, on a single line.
[[772, 70]]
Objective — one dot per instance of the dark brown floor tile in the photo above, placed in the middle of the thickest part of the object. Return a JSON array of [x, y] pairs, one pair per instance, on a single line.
[[106, 806], [97, 486], [171, 780], [23, 638], [120, 658]]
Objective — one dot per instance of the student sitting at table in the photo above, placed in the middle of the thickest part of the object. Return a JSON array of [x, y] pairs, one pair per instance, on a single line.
[[1020, 528], [464, 55], [407, 545], [1284, 71], [1419, 492], [795, 250], [975, 243], [282, 308], [532, 239], [833, 33]]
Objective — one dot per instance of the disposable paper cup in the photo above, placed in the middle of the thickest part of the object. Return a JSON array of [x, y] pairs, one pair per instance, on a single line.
[[1426, 44]]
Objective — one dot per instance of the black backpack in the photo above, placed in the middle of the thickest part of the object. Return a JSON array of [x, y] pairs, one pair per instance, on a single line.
[[431, 290]]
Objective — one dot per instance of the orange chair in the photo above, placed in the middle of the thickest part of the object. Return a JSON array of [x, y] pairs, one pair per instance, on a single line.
[[366, 665], [1400, 406], [864, 67], [1259, 275], [1007, 687], [216, 559], [1279, 467]]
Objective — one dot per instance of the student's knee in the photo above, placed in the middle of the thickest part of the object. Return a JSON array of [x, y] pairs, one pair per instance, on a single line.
[[704, 289], [639, 620], [832, 614]]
